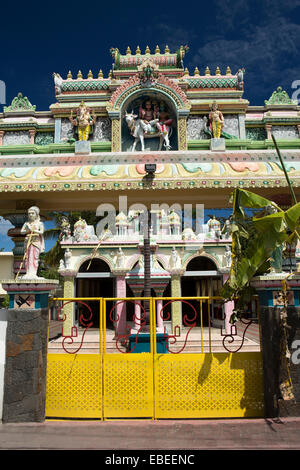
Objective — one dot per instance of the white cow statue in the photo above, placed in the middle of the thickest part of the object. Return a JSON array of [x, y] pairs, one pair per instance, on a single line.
[[136, 129]]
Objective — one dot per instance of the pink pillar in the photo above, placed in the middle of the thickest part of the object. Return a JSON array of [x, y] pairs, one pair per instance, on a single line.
[[228, 309], [268, 129], [159, 320], [137, 310], [32, 134], [1, 137], [121, 306]]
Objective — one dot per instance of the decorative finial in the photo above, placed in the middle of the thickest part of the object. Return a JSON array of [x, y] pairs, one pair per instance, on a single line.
[[90, 74], [167, 50], [218, 71], [157, 50], [207, 71], [186, 72], [147, 51], [138, 50], [79, 75], [228, 71], [69, 76], [196, 72], [100, 74], [110, 74], [128, 51]]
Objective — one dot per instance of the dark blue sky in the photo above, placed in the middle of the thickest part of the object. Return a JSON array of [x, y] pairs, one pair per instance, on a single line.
[[39, 38]]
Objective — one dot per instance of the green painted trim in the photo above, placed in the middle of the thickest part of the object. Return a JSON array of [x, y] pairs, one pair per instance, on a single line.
[[246, 144], [25, 126], [51, 148]]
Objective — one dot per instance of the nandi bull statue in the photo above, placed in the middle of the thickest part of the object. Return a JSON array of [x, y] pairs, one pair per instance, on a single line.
[[149, 124]]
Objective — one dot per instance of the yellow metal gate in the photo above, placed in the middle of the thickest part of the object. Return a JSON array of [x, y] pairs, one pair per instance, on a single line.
[[133, 368]]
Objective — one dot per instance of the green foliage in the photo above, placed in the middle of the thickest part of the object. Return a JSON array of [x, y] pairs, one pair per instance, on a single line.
[[254, 240], [5, 302]]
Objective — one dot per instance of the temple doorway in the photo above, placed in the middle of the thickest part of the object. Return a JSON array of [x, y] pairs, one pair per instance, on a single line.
[[202, 279], [97, 281]]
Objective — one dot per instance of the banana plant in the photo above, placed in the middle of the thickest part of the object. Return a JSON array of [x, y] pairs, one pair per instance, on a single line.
[[254, 241]]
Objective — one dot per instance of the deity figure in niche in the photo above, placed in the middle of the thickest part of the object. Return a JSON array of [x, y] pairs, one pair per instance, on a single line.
[[164, 119], [148, 116], [216, 121], [34, 242], [84, 121]]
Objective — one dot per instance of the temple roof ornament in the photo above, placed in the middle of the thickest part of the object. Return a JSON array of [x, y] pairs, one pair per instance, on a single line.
[[129, 61], [19, 104], [148, 72], [280, 97]]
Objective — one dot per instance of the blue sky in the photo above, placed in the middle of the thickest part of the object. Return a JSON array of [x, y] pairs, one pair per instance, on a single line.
[[37, 39]]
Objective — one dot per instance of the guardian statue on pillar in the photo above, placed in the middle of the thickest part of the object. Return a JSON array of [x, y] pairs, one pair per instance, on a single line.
[[34, 242]]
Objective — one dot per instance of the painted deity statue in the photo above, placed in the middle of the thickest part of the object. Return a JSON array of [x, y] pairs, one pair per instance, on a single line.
[[148, 116], [214, 227], [216, 121], [34, 242], [228, 256], [164, 119], [65, 229], [84, 121]]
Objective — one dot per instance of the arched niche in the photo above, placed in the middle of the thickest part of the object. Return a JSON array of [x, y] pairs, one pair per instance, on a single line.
[[201, 263], [133, 104], [203, 279], [95, 280]]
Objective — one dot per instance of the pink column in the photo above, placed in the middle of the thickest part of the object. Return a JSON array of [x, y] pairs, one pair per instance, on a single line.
[[1, 137], [268, 129], [32, 134], [159, 320], [137, 310], [121, 306], [228, 309]]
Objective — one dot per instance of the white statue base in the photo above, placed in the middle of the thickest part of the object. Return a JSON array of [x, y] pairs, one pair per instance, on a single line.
[[217, 145], [83, 146]]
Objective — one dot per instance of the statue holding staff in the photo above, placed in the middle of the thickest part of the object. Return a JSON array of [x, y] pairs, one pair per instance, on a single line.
[[34, 242]]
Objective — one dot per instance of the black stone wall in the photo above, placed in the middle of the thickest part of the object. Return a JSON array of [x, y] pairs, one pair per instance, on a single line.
[[271, 334], [26, 363]]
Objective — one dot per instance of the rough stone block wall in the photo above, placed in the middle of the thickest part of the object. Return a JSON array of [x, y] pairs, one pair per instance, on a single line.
[[26, 362]]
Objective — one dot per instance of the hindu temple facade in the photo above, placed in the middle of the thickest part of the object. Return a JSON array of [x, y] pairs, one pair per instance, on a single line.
[[152, 135]]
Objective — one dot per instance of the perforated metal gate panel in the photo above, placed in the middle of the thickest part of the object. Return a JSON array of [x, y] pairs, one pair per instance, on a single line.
[[209, 385], [151, 385], [128, 385], [74, 386]]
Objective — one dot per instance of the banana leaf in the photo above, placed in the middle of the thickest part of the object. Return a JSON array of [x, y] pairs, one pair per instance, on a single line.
[[242, 198], [268, 233]]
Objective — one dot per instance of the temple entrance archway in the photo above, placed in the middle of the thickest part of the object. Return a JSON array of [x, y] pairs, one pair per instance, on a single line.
[[97, 281], [202, 279]]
